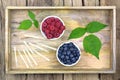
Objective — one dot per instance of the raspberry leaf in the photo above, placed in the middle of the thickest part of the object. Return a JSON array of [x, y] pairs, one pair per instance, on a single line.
[[25, 24], [31, 15], [77, 33], [95, 26], [92, 44], [36, 23]]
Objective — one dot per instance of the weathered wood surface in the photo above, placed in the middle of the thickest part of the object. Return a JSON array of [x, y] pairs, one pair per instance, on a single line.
[[4, 3], [76, 18]]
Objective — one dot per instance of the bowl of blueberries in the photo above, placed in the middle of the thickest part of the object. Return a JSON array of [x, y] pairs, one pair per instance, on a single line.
[[68, 54]]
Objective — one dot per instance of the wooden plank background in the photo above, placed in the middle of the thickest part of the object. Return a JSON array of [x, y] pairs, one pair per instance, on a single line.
[[5, 3]]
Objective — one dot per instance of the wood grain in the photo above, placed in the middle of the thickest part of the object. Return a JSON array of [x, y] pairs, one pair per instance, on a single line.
[[79, 76], [4, 3], [115, 76]]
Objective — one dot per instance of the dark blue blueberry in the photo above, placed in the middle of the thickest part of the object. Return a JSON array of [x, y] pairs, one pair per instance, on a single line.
[[59, 51], [68, 61], [65, 48], [77, 57], [64, 53], [71, 49], [62, 56], [67, 57], [61, 48], [74, 54], [78, 54], [59, 54], [68, 52], [75, 49], [64, 45], [73, 60], [71, 44], [71, 55]]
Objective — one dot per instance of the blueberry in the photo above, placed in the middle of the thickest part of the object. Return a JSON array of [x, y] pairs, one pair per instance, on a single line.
[[71, 49], [64, 53], [71, 55], [59, 54], [77, 54], [59, 51], [74, 52], [77, 57], [65, 48], [67, 57], [62, 56], [71, 44], [64, 45], [68, 52], [73, 59], [61, 48], [68, 61]]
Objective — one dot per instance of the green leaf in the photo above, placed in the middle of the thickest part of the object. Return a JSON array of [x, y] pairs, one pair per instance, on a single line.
[[92, 44], [95, 26], [76, 33], [31, 15], [26, 24], [36, 23]]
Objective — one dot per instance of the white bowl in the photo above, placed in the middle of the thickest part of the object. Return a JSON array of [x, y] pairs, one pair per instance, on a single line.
[[44, 33], [67, 64]]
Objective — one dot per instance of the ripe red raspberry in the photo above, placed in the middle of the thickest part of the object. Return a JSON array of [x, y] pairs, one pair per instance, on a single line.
[[48, 20], [43, 29], [56, 35], [52, 32], [44, 24], [48, 26], [52, 19], [49, 36], [62, 27], [53, 23], [57, 20], [60, 31], [57, 24], [56, 29], [61, 24], [47, 31], [52, 28]]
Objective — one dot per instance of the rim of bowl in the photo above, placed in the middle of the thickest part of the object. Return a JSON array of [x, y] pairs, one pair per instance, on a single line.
[[67, 64], [44, 33]]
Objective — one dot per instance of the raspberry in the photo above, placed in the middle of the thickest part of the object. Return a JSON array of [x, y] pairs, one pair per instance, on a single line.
[[61, 24], [46, 31], [44, 24], [57, 20], [52, 19], [60, 31], [57, 24], [48, 26], [52, 32], [43, 29], [62, 27], [51, 28], [53, 23], [49, 36], [48, 20], [56, 35]]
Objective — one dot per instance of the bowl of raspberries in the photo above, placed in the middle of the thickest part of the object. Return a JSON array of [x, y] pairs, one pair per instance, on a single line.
[[52, 27], [68, 54]]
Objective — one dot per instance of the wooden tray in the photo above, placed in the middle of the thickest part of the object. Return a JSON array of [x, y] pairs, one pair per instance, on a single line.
[[72, 17]]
